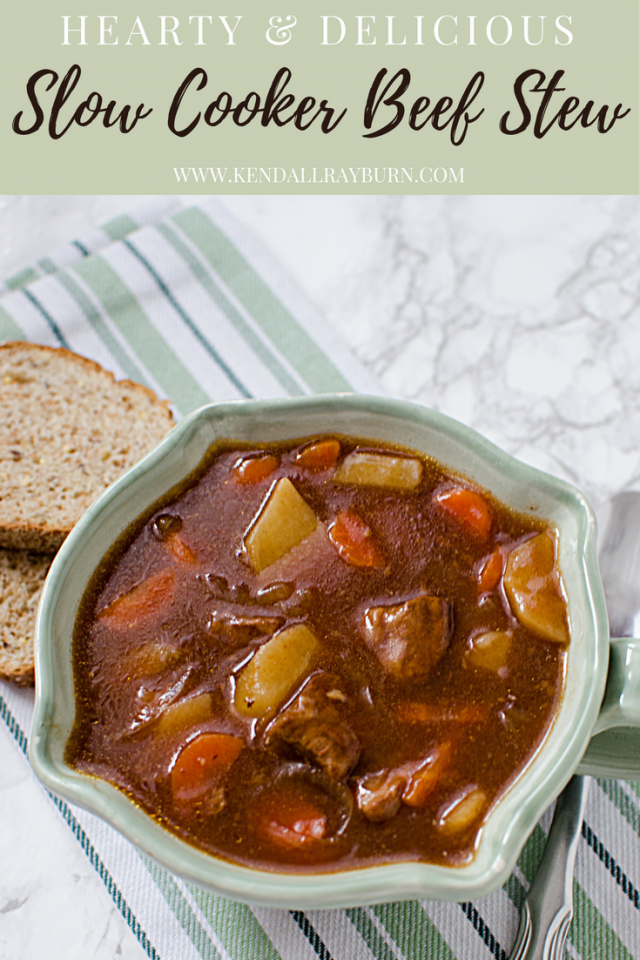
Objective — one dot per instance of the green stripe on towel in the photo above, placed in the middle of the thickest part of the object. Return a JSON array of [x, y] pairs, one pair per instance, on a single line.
[[22, 278], [188, 321], [293, 342], [515, 891], [259, 347], [531, 855], [370, 934], [182, 911], [47, 266], [9, 329], [590, 933], [240, 933], [92, 315], [140, 334], [624, 803], [120, 227], [417, 937]]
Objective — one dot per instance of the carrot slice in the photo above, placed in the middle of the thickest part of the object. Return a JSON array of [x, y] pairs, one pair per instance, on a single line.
[[354, 540], [293, 822], [469, 508], [180, 550], [490, 571], [202, 762], [256, 469], [147, 600], [415, 712], [319, 455], [424, 781]]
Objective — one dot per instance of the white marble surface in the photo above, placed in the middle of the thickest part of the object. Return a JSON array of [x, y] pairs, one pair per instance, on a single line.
[[518, 315]]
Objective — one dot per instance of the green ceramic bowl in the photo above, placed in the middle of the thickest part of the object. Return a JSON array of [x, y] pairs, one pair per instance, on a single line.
[[464, 451]]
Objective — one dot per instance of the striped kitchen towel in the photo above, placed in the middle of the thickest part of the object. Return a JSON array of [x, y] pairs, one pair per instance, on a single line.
[[189, 304]]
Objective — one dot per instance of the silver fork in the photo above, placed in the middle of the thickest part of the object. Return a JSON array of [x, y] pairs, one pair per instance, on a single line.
[[548, 908]]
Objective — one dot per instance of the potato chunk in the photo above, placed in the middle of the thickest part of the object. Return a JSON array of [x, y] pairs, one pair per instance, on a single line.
[[148, 660], [534, 588], [183, 714], [460, 813], [275, 670], [284, 521], [490, 650], [364, 467]]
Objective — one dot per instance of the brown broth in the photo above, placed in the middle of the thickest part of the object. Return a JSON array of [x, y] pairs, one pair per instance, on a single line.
[[494, 722]]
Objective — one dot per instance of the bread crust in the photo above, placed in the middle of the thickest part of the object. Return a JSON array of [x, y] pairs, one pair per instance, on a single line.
[[10, 346], [37, 538], [44, 529]]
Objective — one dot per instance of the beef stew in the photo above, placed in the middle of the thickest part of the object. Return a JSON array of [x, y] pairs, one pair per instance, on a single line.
[[321, 654]]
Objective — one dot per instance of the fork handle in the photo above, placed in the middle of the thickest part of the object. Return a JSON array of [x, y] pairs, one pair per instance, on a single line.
[[548, 907]]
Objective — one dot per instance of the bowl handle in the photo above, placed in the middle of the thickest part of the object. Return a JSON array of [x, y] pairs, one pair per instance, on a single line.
[[621, 702]]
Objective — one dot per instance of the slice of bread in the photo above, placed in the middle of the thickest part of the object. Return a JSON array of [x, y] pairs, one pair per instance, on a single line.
[[22, 575], [68, 428]]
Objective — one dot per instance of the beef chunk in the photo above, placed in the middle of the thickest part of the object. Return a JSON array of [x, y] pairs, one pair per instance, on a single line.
[[379, 794], [314, 727], [409, 638]]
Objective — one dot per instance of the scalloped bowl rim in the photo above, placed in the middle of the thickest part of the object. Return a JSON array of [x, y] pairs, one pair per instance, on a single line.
[[515, 813]]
